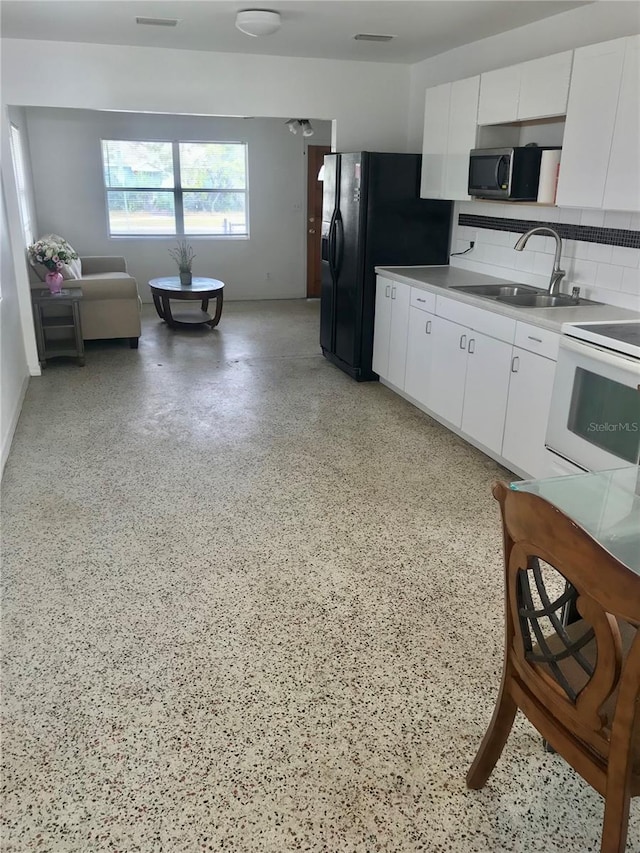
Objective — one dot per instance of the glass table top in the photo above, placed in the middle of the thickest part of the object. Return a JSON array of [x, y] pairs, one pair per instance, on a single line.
[[606, 504]]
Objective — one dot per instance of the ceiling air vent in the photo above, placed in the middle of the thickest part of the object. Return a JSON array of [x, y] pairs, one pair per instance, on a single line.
[[158, 22], [372, 37]]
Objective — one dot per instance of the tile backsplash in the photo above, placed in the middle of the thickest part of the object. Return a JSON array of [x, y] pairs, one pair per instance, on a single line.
[[600, 249]]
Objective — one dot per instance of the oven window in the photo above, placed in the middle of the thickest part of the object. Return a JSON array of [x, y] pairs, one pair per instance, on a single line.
[[606, 414]]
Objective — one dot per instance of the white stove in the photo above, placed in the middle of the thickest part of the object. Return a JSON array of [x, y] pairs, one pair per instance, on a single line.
[[594, 421], [622, 336]]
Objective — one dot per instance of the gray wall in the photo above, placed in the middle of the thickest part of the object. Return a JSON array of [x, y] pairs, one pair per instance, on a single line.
[[70, 199]]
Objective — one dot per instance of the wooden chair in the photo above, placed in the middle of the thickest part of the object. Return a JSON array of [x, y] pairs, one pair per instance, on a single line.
[[578, 684]]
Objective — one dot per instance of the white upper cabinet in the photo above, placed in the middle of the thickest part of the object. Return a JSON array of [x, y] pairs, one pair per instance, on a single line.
[[463, 127], [544, 86], [434, 140], [450, 127], [622, 187], [591, 119], [499, 93], [531, 90]]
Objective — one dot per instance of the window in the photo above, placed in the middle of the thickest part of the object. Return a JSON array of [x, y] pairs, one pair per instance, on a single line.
[[175, 188], [17, 155]]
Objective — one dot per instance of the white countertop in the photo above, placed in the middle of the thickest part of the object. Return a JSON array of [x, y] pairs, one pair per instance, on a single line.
[[439, 278]]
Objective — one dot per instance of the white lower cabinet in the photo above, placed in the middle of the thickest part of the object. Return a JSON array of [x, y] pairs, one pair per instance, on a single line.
[[493, 386], [419, 354], [486, 390], [447, 370], [469, 381], [390, 330], [382, 326], [530, 389]]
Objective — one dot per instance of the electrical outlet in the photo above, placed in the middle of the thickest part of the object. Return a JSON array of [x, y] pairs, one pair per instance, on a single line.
[[268, 276]]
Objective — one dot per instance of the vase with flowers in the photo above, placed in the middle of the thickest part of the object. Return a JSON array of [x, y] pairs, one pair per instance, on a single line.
[[53, 253], [183, 255]]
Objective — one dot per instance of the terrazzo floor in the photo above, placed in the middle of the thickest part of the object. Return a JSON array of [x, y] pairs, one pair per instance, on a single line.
[[251, 605]]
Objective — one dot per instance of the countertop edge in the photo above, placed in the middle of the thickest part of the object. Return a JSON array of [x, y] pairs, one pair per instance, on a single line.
[[533, 316]]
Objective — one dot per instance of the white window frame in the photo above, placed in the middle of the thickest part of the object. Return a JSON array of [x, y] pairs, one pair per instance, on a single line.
[[22, 182], [178, 191]]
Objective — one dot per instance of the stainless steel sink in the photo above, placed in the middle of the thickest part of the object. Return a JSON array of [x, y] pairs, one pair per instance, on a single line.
[[497, 291], [543, 300]]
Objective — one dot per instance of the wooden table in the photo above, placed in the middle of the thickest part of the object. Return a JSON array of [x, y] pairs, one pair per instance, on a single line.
[[200, 290], [57, 324]]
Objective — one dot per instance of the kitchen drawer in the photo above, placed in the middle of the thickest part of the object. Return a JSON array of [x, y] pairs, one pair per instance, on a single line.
[[495, 325], [423, 299], [541, 341]]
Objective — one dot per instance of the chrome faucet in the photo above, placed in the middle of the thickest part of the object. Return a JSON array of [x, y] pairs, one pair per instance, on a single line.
[[556, 273]]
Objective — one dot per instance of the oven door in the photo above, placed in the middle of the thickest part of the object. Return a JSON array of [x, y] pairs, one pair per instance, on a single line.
[[594, 420]]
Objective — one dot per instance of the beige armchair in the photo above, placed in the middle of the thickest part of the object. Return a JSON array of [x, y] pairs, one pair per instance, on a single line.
[[110, 305]]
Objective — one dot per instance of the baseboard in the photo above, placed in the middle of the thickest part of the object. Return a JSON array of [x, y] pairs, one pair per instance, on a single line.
[[8, 438]]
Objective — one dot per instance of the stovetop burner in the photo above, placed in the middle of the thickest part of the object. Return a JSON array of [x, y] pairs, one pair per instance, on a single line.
[[621, 336], [628, 332]]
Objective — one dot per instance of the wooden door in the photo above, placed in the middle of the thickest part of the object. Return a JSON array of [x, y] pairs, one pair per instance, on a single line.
[[315, 159]]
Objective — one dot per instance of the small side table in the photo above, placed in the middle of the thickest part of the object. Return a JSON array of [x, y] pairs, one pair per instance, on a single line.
[[59, 332], [201, 290]]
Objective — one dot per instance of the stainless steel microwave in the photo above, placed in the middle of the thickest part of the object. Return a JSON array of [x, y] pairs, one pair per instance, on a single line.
[[507, 173]]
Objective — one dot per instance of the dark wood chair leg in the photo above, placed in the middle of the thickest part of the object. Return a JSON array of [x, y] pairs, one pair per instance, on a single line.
[[618, 796], [133, 343], [494, 740]]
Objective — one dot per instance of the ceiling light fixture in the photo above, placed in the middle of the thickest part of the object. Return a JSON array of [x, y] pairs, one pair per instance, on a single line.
[[303, 124], [257, 22]]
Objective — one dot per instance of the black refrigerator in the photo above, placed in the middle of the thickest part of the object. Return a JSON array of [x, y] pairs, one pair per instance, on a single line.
[[371, 214]]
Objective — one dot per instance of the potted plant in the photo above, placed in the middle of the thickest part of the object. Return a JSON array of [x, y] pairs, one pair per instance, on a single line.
[[53, 253], [183, 255]]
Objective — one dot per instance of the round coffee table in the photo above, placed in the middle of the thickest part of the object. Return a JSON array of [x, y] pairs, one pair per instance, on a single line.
[[200, 289]]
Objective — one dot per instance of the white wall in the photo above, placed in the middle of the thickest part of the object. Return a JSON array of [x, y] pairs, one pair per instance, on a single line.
[[16, 241], [14, 371], [368, 100], [588, 24], [70, 198]]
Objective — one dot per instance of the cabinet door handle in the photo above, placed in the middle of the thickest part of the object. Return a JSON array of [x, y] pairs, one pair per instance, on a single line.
[[386, 290], [472, 346], [427, 327], [420, 300], [515, 364], [537, 340], [463, 341], [393, 291]]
